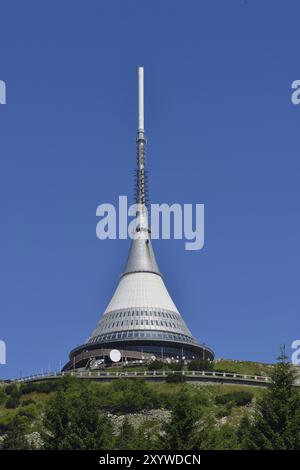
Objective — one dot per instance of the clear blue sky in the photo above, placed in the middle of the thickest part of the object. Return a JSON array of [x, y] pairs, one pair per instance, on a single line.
[[222, 131]]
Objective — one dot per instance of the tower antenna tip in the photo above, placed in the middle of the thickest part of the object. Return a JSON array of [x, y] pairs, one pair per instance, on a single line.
[[141, 98]]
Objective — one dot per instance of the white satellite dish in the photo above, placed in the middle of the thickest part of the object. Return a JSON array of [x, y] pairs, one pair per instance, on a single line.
[[115, 355]]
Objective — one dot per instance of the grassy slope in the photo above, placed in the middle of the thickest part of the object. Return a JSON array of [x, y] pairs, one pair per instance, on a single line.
[[243, 367], [211, 391], [6, 414]]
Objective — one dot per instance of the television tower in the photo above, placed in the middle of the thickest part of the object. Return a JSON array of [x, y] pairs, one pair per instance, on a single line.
[[141, 321]]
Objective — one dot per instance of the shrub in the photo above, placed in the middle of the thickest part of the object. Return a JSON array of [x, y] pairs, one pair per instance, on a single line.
[[224, 410], [156, 365], [200, 364], [2, 396], [175, 378], [239, 398], [3, 428], [12, 402], [5, 420], [39, 387], [12, 390], [28, 402], [129, 396], [29, 411], [177, 365], [15, 437]]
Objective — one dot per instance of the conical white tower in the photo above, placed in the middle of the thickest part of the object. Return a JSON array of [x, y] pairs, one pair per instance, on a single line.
[[141, 320]]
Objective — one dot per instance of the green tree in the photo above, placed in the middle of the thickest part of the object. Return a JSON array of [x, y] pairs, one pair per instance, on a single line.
[[131, 438], [15, 437], [210, 437], [185, 414], [74, 422], [276, 423], [12, 402], [126, 435]]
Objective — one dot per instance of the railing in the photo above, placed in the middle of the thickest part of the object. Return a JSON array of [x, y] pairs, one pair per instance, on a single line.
[[202, 375]]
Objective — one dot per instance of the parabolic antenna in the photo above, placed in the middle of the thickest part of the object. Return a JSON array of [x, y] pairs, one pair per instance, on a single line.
[[115, 355]]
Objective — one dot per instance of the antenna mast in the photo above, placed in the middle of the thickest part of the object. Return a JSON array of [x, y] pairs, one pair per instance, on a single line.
[[141, 196]]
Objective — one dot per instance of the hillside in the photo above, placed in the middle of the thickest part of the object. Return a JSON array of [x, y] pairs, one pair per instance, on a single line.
[[136, 404], [70, 412]]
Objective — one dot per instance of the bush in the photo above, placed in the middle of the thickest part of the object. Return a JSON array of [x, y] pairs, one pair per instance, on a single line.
[[39, 387], [200, 364], [129, 396], [2, 396], [15, 436], [3, 428], [5, 421], [176, 365], [224, 410], [12, 390], [28, 402], [12, 402], [156, 365], [240, 398], [175, 378], [29, 411]]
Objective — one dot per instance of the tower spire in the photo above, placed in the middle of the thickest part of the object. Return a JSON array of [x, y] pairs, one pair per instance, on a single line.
[[141, 257], [141, 195]]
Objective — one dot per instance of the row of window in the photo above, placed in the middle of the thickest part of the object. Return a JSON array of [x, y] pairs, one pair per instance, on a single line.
[[162, 351], [141, 334], [145, 317], [146, 313], [140, 322]]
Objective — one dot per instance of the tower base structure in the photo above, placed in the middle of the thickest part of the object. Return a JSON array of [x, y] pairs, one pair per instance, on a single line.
[[135, 352]]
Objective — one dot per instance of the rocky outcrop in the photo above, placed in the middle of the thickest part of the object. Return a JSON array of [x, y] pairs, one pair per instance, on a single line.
[[157, 416]]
